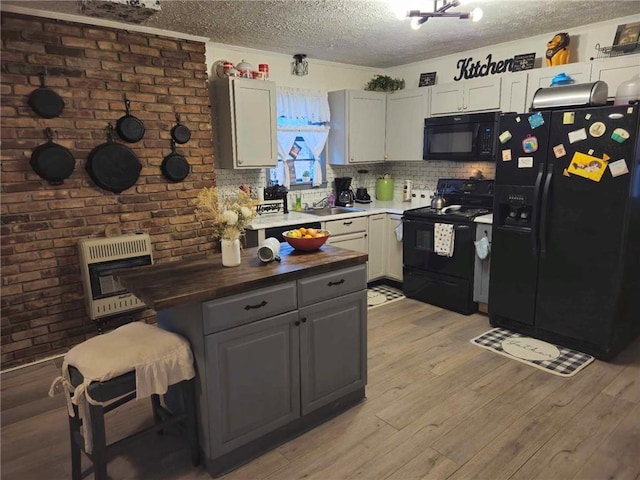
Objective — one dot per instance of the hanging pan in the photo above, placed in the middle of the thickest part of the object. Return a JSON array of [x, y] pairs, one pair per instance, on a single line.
[[129, 128], [180, 133], [113, 166], [174, 166], [45, 102], [51, 161]]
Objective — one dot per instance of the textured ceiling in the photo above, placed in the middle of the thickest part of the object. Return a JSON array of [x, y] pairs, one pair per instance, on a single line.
[[364, 32]]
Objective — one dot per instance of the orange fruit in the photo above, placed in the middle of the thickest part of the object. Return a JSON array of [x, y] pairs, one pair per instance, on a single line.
[[302, 230], [307, 236], [312, 231]]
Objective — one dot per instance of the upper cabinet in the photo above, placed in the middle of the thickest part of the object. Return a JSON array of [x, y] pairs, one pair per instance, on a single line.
[[244, 116], [513, 92], [615, 70], [406, 111], [541, 77], [466, 96], [358, 122]]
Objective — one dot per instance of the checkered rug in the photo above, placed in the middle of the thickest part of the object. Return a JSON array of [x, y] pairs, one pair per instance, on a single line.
[[382, 295], [545, 356]]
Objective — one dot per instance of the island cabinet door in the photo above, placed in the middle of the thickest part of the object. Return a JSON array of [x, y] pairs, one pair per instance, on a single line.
[[253, 380], [333, 349]]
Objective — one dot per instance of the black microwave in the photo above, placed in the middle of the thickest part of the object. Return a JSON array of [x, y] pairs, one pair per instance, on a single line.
[[468, 137]]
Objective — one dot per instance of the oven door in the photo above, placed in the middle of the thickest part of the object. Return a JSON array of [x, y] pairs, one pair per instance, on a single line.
[[418, 248]]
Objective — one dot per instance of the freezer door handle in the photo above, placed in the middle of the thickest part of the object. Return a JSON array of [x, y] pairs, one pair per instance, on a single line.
[[536, 208], [543, 215]]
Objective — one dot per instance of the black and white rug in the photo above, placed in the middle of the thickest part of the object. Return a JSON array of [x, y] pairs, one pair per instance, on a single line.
[[382, 295], [545, 356]]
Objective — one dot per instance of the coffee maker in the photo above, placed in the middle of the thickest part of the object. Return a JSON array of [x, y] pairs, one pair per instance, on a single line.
[[344, 194]]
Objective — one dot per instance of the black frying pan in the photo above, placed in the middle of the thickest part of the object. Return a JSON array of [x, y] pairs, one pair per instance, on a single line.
[[45, 102], [180, 133], [129, 128], [113, 166], [51, 161], [174, 166]]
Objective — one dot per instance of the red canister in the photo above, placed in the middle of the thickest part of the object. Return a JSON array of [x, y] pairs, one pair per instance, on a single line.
[[264, 68], [227, 67]]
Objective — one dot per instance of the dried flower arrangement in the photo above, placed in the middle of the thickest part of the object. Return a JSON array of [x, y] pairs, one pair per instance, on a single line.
[[228, 215]]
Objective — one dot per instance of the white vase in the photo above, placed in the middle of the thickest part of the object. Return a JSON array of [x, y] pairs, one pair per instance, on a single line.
[[230, 252]]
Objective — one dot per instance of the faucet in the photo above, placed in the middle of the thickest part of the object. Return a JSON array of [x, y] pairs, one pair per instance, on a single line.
[[322, 203]]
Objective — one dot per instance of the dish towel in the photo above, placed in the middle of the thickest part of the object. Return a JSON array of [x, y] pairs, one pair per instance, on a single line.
[[443, 239]]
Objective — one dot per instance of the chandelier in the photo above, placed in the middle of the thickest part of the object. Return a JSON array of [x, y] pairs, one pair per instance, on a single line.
[[440, 7]]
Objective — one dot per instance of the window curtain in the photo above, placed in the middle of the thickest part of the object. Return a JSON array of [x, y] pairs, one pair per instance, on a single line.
[[285, 142], [308, 111]]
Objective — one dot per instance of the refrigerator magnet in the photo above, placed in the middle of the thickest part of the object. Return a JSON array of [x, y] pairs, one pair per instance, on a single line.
[[559, 151], [530, 144], [619, 167], [597, 129], [505, 136], [536, 120], [615, 116], [577, 135], [590, 152], [568, 118], [620, 135], [506, 155], [518, 119], [629, 110], [587, 116], [525, 162], [587, 166], [565, 173]]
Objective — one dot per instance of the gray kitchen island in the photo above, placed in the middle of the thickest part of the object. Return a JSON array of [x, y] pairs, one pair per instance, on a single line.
[[279, 348]]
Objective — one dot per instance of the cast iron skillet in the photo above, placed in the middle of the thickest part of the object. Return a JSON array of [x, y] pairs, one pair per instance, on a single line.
[[180, 133], [45, 102], [174, 166], [129, 128], [51, 161], [113, 166]]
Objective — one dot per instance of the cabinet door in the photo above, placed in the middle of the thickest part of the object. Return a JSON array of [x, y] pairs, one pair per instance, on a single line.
[[541, 77], [366, 130], [482, 268], [377, 246], [481, 94], [333, 349], [253, 380], [513, 92], [614, 71], [446, 98], [393, 267], [406, 111], [255, 123], [351, 241]]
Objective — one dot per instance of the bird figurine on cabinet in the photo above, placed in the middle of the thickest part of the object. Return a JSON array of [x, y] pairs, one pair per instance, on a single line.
[[558, 50]]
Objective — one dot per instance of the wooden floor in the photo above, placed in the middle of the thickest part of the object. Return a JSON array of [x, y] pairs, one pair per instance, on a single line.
[[437, 407]]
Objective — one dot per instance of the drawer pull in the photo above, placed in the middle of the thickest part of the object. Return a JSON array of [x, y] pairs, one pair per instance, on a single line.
[[260, 305], [347, 223], [333, 284], [297, 323], [304, 320]]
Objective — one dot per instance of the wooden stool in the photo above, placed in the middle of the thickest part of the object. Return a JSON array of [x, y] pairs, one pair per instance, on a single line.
[[152, 359]]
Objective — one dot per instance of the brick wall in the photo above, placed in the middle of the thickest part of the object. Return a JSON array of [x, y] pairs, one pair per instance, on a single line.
[[43, 311]]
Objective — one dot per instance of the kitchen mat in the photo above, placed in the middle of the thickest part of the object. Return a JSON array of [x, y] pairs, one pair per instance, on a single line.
[[381, 295], [545, 356]]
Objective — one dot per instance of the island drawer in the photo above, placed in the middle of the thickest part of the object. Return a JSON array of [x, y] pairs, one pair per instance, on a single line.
[[248, 307], [348, 225], [331, 285]]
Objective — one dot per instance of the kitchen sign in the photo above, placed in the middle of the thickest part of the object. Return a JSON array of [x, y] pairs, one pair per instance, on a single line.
[[470, 69]]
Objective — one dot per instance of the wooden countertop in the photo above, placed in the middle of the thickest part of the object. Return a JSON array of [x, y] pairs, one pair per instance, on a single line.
[[200, 279]]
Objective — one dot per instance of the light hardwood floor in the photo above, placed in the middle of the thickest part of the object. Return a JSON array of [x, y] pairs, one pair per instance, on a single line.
[[437, 407]]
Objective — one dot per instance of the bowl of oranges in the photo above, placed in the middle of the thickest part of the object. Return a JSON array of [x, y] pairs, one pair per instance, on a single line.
[[307, 239]]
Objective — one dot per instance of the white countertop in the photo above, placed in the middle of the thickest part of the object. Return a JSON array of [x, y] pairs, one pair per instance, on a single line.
[[486, 219]]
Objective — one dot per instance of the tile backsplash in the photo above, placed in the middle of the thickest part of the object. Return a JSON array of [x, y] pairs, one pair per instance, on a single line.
[[424, 176]]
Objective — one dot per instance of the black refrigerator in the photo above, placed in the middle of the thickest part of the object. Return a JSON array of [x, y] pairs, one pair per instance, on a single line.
[[565, 256]]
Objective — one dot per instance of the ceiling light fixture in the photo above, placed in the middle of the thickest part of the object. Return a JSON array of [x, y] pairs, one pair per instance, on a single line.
[[440, 7], [300, 66]]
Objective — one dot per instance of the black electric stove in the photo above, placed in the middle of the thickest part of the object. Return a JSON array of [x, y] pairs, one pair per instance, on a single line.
[[445, 280]]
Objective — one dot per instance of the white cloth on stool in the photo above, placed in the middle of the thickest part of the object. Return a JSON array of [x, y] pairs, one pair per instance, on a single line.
[[158, 357], [443, 239]]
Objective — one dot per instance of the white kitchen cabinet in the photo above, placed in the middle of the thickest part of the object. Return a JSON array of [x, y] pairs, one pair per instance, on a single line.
[[615, 70], [349, 233], [377, 246], [244, 115], [541, 77], [513, 92], [358, 123], [406, 111], [393, 258], [466, 96]]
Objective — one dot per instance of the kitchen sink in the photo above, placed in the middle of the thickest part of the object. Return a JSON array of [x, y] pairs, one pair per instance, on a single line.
[[323, 212]]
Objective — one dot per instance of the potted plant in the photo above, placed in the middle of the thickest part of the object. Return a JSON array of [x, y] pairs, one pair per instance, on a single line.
[[384, 83], [306, 176]]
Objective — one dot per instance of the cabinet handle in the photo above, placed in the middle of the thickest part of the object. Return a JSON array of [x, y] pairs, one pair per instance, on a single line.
[[464, 107], [347, 223], [296, 323], [304, 320], [260, 305], [333, 284], [459, 108]]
